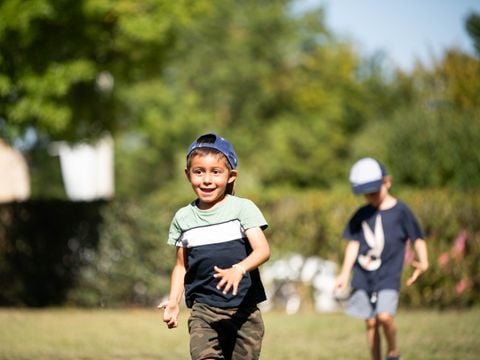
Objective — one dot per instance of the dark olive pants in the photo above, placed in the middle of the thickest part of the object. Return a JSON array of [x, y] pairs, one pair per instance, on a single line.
[[229, 334]]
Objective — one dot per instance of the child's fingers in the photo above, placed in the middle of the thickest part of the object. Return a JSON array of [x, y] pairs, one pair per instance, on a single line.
[[419, 269], [170, 319], [170, 314], [218, 272], [414, 277], [337, 286], [227, 288], [221, 283], [415, 264], [162, 305], [224, 284], [228, 281], [419, 266], [172, 323]]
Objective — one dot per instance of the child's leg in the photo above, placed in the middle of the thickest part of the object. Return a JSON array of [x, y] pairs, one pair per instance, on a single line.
[[386, 308], [373, 338], [359, 305], [249, 334], [390, 330], [205, 337], [233, 333]]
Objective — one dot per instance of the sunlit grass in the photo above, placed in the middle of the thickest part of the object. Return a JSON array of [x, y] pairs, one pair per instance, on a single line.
[[140, 334]]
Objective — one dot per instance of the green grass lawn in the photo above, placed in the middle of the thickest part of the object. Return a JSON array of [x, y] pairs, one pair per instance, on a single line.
[[140, 334]]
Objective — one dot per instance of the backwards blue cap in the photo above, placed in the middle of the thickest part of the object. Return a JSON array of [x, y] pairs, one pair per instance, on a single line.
[[213, 141]]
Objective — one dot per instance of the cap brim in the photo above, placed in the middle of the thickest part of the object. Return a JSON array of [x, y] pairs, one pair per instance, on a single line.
[[370, 187]]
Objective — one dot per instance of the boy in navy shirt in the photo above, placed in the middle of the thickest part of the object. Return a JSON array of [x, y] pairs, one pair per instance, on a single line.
[[220, 244], [377, 235]]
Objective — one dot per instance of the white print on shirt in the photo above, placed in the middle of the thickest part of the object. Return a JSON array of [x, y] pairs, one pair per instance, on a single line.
[[371, 261]]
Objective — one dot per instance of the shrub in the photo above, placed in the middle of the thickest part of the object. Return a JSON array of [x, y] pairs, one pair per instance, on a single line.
[[116, 254]]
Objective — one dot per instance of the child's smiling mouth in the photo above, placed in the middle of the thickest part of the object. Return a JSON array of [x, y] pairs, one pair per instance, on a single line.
[[207, 190]]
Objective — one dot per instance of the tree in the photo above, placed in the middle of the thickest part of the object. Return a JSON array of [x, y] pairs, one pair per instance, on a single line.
[[430, 140], [157, 73], [257, 72], [67, 69], [64, 64], [473, 28]]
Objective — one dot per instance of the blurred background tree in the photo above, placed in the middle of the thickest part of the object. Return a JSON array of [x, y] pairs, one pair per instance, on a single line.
[[65, 63], [473, 29], [274, 80], [299, 104], [67, 67]]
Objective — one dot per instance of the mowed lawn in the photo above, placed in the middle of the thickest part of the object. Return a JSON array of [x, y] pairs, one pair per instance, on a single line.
[[140, 334]]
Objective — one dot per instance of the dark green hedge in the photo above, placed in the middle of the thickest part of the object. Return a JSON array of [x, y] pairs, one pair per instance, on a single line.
[[42, 249]]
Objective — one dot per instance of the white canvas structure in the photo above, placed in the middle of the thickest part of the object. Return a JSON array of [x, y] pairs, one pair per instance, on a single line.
[[14, 175], [87, 169]]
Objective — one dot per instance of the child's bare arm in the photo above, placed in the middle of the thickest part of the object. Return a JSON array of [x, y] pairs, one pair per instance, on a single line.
[[171, 306], [230, 278], [420, 265], [351, 253]]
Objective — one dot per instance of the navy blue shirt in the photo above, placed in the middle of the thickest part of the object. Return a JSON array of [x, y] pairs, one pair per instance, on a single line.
[[216, 237], [382, 235]]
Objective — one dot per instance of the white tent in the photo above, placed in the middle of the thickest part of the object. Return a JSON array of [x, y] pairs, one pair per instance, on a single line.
[[14, 175], [87, 169]]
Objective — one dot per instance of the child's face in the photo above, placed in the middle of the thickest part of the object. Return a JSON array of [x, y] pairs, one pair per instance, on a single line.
[[375, 199], [209, 176]]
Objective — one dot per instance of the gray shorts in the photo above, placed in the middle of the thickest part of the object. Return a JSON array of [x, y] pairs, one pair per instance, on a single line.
[[363, 306]]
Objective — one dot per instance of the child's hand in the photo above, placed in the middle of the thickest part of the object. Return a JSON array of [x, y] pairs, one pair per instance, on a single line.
[[229, 279], [419, 270], [420, 265], [341, 282], [170, 313]]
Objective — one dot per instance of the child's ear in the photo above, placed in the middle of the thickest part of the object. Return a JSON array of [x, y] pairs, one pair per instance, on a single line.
[[233, 176], [187, 174], [231, 182], [387, 180]]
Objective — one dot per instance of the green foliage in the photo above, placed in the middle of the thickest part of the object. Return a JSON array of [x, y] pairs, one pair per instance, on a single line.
[[473, 28], [246, 69], [64, 63], [297, 147], [132, 264], [450, 221], [275, 81], [311, 223], [315, 104], [445, 155], [45, 173], [298, 105], [133, 261], [430, 140], [126, 260], [453, 83]]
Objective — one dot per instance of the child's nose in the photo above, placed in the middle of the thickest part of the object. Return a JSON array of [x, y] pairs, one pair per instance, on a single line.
[[207, 178]]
